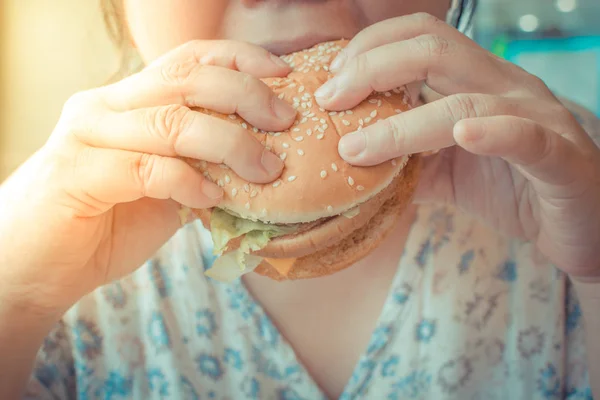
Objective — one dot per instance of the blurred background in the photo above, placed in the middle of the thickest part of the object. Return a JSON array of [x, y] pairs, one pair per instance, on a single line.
[[50, 49]]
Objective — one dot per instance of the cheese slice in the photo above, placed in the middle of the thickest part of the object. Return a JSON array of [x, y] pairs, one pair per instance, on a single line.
[[282, 265]]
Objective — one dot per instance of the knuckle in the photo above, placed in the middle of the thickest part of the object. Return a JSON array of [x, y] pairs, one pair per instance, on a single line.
[[180, 73], [169, 122], [433, 45], [462, 106], [146, 170], [249, 84], [393, 131]]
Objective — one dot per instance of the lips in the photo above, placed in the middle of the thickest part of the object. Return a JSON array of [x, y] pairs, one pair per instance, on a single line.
[[282, 47]]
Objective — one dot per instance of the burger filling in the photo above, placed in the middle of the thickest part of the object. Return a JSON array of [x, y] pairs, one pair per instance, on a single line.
[[226, 226]]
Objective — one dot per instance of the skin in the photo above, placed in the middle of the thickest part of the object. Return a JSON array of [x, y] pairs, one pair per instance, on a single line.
[[102, 195]]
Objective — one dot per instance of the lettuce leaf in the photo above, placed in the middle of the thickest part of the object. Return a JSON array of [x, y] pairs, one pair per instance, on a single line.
[[224, 227]]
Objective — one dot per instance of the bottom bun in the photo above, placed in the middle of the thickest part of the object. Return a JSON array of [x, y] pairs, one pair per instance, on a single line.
[[357, 245]]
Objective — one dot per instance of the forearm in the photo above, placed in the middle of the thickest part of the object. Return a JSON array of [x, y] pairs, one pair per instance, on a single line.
[[23, 328], [588, 293]]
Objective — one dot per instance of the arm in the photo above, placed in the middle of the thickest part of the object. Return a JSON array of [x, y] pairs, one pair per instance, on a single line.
[[22, 331]]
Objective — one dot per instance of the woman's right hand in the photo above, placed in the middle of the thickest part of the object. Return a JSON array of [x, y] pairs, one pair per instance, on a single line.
[[104, 193]]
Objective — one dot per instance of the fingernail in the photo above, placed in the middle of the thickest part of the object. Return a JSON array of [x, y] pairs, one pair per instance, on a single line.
[[338, 62], [352, 144], [283, 110], [279, 61], [272, 164], [211, 190], [326, 91]]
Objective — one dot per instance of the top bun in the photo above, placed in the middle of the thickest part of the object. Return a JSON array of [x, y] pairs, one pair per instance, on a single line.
[[316, 182]]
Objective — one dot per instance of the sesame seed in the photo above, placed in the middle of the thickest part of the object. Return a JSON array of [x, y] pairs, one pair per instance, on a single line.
[[246, 188], [309, 132], [285, 145], [247, 205], [325, 126], [367, 120], [323, 174], [293, 85], [234, 192], [253, 194], [309, 104], [277, 134], [398, 111], [360, 188], [227, 179], [387, 94], [300, 152], [263, 211], [373, 101], [303, 120], [322, 120], [312, 114], [320, 136], [361, 122], [342, 113], [244, 125], [305, 113], [317, 68], [350, 181], [329, 208], [315, 118], [303, 105], [299, 138], [379, 103], [394, 163], [396, 90], [349, 112], [283, 156], [326, 68], [301, 89], [206, 174], [373, 113], [346, 122], [332, 113], [291, 178], [320, 129], [321, 109], [334, 167], [220, 183], [255, 130], [296, 129], [281, 96], [360, 128]]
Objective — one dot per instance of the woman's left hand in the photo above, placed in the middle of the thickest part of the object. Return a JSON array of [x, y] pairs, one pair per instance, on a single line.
[[512, 154]]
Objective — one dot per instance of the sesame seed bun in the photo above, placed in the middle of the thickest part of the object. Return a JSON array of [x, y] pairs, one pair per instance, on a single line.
[[318, 191], [357, 245], [316, 182]]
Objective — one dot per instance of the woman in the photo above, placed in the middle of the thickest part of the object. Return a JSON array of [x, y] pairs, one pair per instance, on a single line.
[[470, 297]]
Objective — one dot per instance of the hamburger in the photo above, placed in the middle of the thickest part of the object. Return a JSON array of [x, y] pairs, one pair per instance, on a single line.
[[322, 214]]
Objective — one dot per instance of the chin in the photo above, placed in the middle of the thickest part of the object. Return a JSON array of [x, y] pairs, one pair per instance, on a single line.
[[322, 215]]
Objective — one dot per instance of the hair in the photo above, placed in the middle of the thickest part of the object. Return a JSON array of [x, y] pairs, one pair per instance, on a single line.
[[114, 19]]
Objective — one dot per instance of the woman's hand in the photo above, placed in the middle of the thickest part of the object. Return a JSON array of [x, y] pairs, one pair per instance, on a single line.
[[512, 154], [104, 193]]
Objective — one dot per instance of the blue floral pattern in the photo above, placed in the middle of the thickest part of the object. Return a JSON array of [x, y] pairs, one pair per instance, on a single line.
[[453, 327]]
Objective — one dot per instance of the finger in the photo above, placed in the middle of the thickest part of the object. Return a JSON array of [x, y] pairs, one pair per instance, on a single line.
[[106, 177], [214, 88], [235, 55], [178, 131], [440, 63], [539, 152], [425, 128], [395, 30]]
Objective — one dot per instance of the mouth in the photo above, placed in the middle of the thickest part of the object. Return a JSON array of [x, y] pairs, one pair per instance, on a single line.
[[283, 47]]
